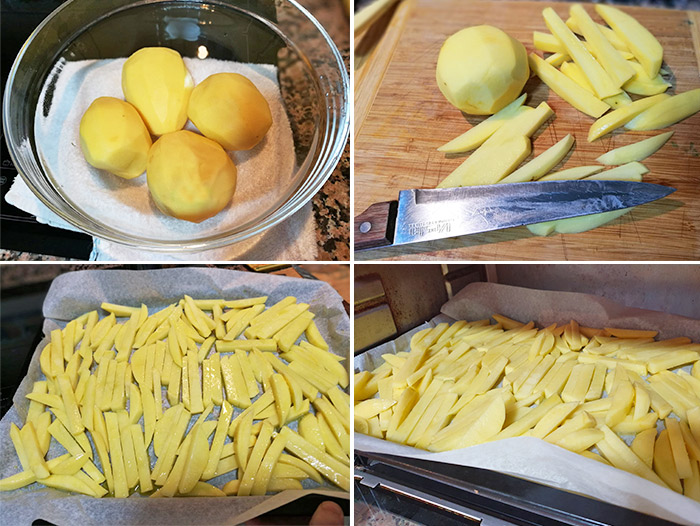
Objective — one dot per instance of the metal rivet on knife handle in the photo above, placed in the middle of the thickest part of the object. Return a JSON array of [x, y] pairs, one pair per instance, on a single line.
[[375, 226]]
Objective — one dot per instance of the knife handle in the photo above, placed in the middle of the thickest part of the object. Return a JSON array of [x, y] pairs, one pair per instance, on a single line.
[[375, 226]]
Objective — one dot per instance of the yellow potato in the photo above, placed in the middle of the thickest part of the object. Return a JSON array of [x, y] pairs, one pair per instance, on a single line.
[[229, 109], [481, 69], [189, 176], [156, 81], [114, 138]]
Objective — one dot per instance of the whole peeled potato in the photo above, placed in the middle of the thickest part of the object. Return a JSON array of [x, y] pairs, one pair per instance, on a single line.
[[156, 81], [481, 69], [189, 176], [228, 108], [114, 138]]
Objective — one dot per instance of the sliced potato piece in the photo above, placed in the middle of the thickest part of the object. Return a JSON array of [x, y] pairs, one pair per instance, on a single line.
[[612, 37], [639, 40], [567, 89], [256, 457], [610, 59], [475, 136], [575, 73], [622, 457], [556, 59], [637, 151], [664, 465], [541, 164], [666, 112], [333, 470], [643, 445], [602, 84], [314, 337], [580, 440], [547, 42], [642, 84], [121, 488], [632, 171], [678, 449], [622, 116], [489, 164], [572, 174], [142, 461], [372, 407]]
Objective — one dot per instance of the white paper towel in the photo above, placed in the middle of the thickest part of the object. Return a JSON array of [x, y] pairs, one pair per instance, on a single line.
[[528, 457]]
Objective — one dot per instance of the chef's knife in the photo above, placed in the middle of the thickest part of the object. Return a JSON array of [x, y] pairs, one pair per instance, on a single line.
[[425, 215]]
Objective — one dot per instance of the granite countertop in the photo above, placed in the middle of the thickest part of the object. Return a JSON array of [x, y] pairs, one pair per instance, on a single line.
[[331, 204]]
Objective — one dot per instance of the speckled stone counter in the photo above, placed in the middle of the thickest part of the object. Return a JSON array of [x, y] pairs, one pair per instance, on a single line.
[[331, 204]]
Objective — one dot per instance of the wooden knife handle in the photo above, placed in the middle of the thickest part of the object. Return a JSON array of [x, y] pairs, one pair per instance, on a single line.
[[375, 226]]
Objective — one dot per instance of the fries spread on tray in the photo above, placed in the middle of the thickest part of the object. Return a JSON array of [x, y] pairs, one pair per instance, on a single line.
[[579, 388], [164, 403]]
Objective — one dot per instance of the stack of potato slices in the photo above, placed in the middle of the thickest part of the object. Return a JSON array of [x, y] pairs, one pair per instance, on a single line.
[[161, 403], [591, 391]]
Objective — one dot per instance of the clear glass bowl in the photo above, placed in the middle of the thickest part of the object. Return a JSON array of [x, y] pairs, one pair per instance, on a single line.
[[311, 74]]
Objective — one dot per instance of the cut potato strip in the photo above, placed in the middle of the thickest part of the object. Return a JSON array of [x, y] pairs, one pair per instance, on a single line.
[[477, 135], [610, 59], [622, 116], [602, 84], [667, 112], [572, 174], [632, 171], [637, 151], [638, 39], [541, 164], [566, 88]]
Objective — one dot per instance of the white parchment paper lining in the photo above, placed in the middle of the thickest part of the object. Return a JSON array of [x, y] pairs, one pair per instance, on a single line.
[[531, 458], [77, 292]]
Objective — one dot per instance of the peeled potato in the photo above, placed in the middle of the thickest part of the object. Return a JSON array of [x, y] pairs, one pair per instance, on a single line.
[[189, 176], [156, 81], [228, 108], [114, 138], [481, 69]]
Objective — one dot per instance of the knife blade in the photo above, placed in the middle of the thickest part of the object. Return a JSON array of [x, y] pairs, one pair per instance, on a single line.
[[426, 215]]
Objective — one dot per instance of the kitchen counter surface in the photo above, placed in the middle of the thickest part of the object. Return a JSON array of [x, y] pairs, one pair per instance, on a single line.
[[331, 204]]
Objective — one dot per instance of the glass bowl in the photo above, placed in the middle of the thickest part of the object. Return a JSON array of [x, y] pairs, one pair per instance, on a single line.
[[310, 72]]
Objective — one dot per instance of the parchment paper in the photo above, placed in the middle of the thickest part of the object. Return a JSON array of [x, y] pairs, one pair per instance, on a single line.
[[528, 457], [71, 295]]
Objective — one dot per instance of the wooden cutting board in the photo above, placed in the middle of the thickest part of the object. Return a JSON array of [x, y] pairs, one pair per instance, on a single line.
[[401, 118]]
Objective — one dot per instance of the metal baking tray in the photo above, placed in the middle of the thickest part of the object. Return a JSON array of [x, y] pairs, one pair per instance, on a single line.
[[482, 497]]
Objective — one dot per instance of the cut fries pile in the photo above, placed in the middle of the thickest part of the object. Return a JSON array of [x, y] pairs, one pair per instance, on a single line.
[[579, 388], [600, 71], [132, 388]]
